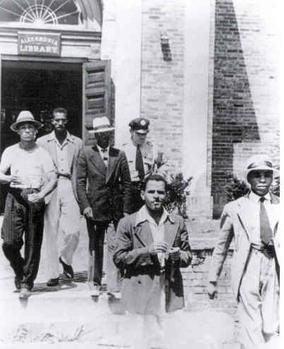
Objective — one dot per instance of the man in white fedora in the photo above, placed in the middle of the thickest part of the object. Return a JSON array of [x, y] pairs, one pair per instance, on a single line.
[[29, 171], [103, 189], [252, 222], [62, 215]]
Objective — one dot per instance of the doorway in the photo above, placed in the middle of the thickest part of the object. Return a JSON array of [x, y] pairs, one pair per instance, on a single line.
[[39, 87]]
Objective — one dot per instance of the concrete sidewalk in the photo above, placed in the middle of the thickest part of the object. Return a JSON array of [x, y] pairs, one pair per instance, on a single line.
[[69, 317]]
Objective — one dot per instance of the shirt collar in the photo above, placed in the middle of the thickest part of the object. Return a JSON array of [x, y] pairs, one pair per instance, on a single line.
[[101, 149], [144, 216], [68, 138], [255, 198]]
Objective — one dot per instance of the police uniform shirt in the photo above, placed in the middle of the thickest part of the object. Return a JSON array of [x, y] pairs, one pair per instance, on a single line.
[[148, 152]]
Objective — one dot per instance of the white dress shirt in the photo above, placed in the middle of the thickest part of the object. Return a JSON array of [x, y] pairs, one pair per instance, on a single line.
[[255, 200], [158, 230]]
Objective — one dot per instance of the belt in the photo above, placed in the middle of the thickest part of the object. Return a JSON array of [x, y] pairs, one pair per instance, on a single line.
[[21, 195], [267, 250], [64, 175], [15, 190]]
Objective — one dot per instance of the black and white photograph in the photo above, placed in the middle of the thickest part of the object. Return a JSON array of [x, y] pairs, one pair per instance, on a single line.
[[140, 174]]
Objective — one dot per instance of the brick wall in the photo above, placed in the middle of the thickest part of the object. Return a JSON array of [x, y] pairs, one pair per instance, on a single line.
[[195, 283], [162, 82], [202, 236], [195, 288], [246, 117]]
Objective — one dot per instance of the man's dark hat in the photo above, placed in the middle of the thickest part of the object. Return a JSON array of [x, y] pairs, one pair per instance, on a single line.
[[140, 125]]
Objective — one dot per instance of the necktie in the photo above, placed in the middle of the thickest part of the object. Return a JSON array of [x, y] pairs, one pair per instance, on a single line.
[[105, 156], [139, 163], [265, 229]]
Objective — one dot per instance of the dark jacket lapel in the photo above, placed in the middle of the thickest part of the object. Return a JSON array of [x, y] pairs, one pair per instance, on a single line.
[[112, 161], [97, 161], [171, 230], [143, 233]]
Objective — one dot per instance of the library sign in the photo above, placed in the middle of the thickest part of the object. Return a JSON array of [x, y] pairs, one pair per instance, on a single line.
[[39, 44]]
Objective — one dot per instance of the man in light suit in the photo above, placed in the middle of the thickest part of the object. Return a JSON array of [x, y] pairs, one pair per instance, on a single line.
[[103, 188], [252, 222], [152, 246], [62, 215]]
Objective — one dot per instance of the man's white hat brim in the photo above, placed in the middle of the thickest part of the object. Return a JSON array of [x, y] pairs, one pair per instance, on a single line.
[[262, 168], [103, 129], [15, 126]]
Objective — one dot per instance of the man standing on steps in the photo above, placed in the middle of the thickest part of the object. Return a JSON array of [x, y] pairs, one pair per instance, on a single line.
[[252, 222], [143, 158], [29, 171], [62, 215], [103, 187]]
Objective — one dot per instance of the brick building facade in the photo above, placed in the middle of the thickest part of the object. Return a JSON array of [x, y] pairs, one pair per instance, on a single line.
[[213, 100], [204, 72], [245, 94]]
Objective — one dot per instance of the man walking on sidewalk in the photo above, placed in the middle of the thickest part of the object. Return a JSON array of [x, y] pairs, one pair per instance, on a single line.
[[152, 246], [62, 215], [252, 222], [30, 173], [103, 188]]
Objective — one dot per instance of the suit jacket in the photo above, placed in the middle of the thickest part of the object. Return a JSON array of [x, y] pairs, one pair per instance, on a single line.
[[105, 190], [141, 270], [238, 223], [74, 146]]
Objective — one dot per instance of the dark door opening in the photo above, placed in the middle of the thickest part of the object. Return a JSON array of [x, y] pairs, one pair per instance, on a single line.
[[39, 87]]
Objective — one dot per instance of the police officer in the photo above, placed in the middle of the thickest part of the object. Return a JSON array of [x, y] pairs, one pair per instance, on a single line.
[[143, 158]]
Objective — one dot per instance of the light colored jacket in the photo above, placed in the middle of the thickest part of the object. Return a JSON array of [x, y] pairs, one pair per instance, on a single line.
[[141, 270], [74, 145], [238, 224]]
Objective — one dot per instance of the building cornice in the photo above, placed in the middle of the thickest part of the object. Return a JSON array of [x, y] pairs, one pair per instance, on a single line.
[[66, 34]]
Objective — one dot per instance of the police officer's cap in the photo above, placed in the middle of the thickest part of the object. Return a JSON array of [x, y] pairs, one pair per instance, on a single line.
[[140, 125]]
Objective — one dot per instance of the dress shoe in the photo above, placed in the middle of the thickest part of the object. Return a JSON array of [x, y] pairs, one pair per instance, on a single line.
[[52, 282], [17, 282], [96, 290], [67, 269], [24, 292], [114, 295]]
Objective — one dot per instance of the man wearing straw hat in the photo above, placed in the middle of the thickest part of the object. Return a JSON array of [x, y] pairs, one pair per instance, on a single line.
[[103, 188], [29, 171], [252, 222]]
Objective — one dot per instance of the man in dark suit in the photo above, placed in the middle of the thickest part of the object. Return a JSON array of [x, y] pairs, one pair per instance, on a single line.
[[103, 188]]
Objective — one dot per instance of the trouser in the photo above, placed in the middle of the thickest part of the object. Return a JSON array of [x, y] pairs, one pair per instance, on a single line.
[[97, 231], [61, 227], [136, 200], [259, 301], [22, 223]]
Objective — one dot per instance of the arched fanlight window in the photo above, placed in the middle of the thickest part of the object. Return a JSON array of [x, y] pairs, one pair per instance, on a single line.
[[40, 12]]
